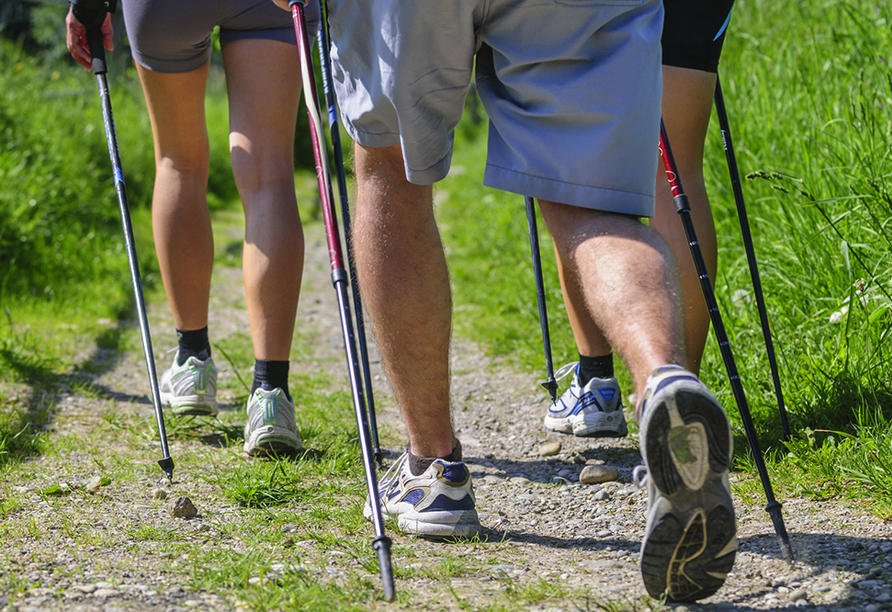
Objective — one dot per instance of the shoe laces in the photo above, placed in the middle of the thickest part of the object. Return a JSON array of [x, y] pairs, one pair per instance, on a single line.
[[565, 370], [639, 476]]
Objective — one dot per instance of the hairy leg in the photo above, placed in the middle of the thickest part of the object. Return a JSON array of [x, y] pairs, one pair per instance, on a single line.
[[405, 286], [628, 283], [262, 116]]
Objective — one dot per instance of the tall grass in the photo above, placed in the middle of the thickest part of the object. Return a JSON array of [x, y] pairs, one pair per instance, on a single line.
[[809, 90]]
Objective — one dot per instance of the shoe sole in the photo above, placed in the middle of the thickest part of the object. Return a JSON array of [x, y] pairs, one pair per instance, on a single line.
[[462, 525], [279, 441], [691, 544], [195, 405], [591, 425]]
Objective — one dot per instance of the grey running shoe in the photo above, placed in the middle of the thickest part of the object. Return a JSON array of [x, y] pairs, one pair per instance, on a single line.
[[691, 537], [437, 504], [271, 427], [593, 411], [190, 388]]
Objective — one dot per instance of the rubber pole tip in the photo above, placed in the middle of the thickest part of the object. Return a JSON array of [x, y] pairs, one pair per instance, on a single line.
[[167, 465]]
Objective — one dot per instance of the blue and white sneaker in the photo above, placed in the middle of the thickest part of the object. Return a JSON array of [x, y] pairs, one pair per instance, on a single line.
[[190, 388], [592, 411], [691, 536], [437, 504], [271, 426]]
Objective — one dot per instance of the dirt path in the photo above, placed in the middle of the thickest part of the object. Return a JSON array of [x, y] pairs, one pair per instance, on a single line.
[[544, 528]]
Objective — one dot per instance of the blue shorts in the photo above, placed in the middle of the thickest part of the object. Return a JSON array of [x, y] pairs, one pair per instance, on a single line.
[[174, 36], [572, 89]]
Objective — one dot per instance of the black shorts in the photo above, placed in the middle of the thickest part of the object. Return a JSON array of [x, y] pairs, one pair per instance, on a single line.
[[693, 33]]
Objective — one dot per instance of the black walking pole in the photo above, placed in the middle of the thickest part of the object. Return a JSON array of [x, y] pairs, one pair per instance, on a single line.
[[91, 14], [684, 211], [550, 383], [334, 130], [750, 251], [381, 542]]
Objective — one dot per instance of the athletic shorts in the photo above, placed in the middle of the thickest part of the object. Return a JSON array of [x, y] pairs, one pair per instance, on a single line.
[[572, 89], [174, 36], [693, 33]]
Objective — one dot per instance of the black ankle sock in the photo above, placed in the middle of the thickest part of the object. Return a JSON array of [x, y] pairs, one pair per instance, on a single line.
[[193, 343], [269, 375], [595, 367], [417, 465]]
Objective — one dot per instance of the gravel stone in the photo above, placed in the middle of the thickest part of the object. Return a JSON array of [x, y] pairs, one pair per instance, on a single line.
[[93, 484], [596, 474], [550, 449], [182, 507], [798, 594]]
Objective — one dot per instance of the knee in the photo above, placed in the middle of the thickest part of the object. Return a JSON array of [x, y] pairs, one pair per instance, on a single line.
[[190, 166], [258, 181]]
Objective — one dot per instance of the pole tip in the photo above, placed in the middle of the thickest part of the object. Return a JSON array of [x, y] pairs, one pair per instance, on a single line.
[[551, 386], [382, 545], [167, 465]]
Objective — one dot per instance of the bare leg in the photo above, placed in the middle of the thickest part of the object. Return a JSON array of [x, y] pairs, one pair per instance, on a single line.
[[630, 290], [686, 104], [262, 116], [180, 219], [405, 285]]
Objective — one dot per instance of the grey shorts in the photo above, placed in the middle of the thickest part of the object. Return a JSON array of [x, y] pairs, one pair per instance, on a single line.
[[572, 89], [174, 36]]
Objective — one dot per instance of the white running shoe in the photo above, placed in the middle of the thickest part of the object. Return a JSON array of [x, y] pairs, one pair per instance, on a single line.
[[592, 411], [271, 427], [439, 503], [691, 536], [190, 388]]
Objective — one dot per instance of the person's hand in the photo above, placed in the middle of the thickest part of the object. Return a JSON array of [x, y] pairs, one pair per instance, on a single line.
[[76, 39]]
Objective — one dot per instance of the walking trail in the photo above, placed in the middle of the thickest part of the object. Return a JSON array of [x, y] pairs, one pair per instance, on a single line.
[[541, 523]]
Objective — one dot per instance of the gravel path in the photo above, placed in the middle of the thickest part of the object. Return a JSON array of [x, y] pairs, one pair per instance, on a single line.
[[542, 523]]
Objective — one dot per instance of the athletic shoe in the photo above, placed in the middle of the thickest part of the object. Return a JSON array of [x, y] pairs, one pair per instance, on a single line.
[[594, 410], [691, 536], [190, 388], [271, 427], [437, 504]]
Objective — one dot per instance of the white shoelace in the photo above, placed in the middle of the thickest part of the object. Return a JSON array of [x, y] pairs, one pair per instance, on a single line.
[[565, 370], [639, 476]]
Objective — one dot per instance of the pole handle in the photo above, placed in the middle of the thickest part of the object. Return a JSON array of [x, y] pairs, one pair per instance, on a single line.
[[91, 14]]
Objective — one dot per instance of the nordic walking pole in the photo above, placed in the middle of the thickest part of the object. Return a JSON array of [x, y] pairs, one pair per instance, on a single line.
[[381, 542], [684, 211], [750, 251], [91, 14], [334, 130], [550, 383]]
